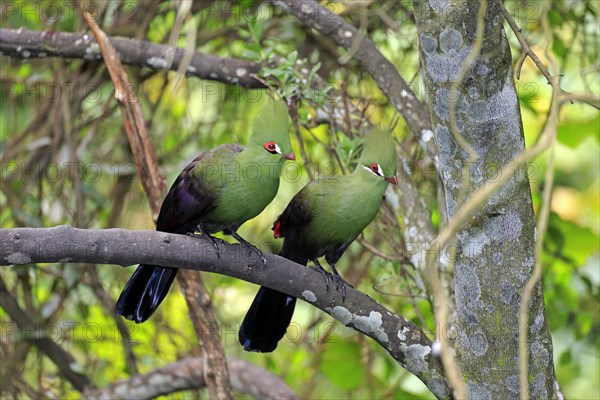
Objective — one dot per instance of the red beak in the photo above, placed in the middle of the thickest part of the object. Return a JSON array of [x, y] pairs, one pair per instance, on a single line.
[[290, 156], [392, 180]]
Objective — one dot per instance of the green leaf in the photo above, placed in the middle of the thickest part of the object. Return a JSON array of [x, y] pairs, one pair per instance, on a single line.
[[292, 57], [289, 90], [402, 394], [558, 47], [565, 357], [341, 364], [573, 132], [571, 241], [584, 322], [256, 29], [251, 55], [313, 71], [555, 18], [316, 95]]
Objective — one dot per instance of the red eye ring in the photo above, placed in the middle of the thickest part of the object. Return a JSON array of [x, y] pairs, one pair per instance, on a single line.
[[269, 146], [374, 167]]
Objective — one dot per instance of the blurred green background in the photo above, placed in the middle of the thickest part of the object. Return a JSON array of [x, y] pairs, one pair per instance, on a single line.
[[66, 160]]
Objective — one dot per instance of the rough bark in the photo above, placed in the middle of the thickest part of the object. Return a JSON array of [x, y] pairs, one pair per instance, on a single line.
[[495, 248], [25, 44], [402, 339], [188, 374]]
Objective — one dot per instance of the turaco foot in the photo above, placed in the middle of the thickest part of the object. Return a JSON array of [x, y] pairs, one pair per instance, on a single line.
[[340, 283], [251, 248], [206, 235], [326, 275]]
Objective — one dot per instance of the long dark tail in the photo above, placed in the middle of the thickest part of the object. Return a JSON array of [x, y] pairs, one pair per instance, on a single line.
[[267, 319], [144, 292]]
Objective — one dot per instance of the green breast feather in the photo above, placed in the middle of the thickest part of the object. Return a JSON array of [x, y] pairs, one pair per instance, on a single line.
[[243, 182], [343, 208]]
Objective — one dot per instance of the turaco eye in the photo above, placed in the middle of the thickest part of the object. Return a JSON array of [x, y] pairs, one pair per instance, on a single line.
[[272, 148], [374, 168]]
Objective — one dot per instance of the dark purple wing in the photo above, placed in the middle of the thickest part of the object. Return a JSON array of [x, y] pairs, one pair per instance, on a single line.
[[189, 198], [296, 215]]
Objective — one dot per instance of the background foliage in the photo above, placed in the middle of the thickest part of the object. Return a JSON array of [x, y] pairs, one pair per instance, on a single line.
[[65, 160]]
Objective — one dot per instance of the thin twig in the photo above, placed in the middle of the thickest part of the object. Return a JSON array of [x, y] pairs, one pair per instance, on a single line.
[[550, 132], [526, 51], [525, 48], [135, 126], [196, 295], [454, 93]]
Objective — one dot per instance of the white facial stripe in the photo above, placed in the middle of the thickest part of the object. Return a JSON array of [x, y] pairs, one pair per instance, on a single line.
[[277, 150], [379, 170]]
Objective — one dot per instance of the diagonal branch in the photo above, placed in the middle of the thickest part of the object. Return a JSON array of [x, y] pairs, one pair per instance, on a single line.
[[402, 339], [63, 360], [188, 374], [133, 120], [25, 44], [383, 72], [526, 51], [197, 298]]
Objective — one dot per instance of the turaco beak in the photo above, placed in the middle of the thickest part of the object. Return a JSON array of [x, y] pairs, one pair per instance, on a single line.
[[392, 179], [290, 156]]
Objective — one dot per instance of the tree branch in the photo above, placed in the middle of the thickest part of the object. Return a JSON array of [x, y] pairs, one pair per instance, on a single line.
[[133, 120], [63, 360], [196, 296], [526, 51], [25, 44], [382, 71], [403, 340], [188, 374]]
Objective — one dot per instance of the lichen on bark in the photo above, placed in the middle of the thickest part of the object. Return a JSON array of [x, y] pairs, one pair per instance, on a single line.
[[496, 247]]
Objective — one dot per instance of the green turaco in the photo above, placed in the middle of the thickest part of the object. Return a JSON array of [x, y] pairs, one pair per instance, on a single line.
[[218, 191], [323, 219]]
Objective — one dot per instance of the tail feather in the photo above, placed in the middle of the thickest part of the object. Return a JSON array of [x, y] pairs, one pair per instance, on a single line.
[[270, 314], [144, 292], [267, 320]]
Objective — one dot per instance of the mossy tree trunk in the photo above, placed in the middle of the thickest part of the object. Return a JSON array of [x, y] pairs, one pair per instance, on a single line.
[[495, 249]]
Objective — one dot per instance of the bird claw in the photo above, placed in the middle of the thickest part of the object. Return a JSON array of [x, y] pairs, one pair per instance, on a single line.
[[326, 275], [206, 235], [251, 248], [340, 283], [254, 249], [213, 241]]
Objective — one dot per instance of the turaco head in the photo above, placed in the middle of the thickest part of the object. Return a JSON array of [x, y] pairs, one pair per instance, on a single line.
[[378, 157], [271, 131]]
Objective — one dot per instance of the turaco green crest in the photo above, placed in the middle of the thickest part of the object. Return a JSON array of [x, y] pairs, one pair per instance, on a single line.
[[323, 219], [218, 191]]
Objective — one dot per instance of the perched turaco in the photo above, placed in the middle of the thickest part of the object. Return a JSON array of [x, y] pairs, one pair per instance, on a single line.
[[323, 219], [218, 191]]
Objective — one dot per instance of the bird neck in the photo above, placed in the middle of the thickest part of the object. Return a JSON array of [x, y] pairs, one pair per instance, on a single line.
[[257, 164]]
